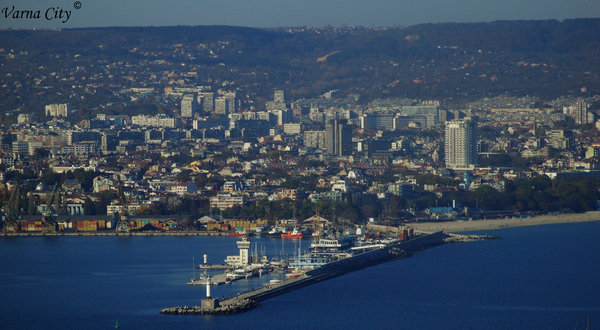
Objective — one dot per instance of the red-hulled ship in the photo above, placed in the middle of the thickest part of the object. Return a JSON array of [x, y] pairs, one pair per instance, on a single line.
[[295, 234]]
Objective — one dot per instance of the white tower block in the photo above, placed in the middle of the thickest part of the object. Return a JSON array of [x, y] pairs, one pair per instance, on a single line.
[[244, 246]]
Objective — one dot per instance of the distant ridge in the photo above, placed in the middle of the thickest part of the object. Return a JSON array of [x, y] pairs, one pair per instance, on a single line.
[[458, 61]]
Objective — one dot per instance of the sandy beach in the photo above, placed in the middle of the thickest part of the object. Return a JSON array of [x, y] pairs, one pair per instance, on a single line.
[[476, 225]]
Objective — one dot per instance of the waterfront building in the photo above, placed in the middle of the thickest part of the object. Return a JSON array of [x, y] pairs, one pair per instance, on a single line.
[[461, 143], [243, 259]]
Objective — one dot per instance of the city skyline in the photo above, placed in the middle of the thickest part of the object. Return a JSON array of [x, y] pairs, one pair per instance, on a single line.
[[68, 14]]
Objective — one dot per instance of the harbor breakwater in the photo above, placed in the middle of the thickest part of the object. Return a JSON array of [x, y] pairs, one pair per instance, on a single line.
[[248, 300]]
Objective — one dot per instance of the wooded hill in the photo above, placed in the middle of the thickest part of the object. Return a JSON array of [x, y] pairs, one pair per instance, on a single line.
[[430, 61]]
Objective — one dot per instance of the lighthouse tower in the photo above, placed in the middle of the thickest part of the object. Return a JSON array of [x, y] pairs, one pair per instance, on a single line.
[[244, 246], [209, 303], [208, 287]]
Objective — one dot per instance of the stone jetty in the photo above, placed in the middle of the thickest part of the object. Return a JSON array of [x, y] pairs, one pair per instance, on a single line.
[[459, 238], [236, 307]]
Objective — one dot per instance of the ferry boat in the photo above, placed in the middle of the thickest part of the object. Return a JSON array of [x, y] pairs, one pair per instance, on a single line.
[[331, 244]]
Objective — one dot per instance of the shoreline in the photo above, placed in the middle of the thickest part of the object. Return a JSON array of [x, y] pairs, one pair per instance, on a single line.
[[112, 233], [454, 226], [482, 225]]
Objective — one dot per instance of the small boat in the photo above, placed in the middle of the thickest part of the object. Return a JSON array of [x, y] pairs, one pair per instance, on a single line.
[[295, 234], [292, 275], [274, 232]]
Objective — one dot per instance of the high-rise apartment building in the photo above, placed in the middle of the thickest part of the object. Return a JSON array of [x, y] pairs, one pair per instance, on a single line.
[[221, 106], [231, 102], [57, 110], [188, 106], [314, 139], [461, 143], [206, 100], [278, 96], [579, 112], [338, 138]]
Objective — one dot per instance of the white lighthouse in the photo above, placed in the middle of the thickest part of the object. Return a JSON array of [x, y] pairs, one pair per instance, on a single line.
[[209, 303], [208, 287]]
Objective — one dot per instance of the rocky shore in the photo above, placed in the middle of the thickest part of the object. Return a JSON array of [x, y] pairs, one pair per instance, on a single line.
[[236, 307]]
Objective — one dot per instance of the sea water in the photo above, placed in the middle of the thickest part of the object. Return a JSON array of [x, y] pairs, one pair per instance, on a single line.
[[544, 277]]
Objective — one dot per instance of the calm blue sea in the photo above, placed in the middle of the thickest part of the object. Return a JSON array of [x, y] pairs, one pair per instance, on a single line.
[[545, 277]]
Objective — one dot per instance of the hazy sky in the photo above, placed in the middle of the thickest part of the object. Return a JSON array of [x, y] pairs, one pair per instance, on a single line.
[[273, 13]]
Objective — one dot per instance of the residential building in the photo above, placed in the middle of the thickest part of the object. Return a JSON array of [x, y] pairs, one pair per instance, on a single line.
[[183, 188], [206, 101], [57, 110], [579, 112], [221, 106], [188, 106], [225, 201], [314, 139], [461, 143], [231, 102], [278, 96]]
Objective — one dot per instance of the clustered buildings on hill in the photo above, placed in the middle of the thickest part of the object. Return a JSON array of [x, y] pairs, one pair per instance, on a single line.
[[214, 155]]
